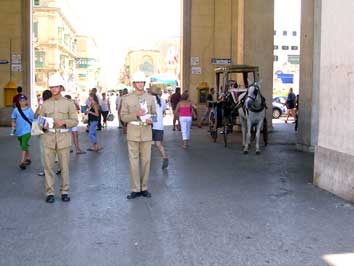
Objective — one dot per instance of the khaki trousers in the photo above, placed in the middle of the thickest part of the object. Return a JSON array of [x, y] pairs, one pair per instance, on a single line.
[[137, 150], [64, 160]]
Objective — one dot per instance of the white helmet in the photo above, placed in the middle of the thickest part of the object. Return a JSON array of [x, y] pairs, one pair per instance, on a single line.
[[56, 80], [139, 76]]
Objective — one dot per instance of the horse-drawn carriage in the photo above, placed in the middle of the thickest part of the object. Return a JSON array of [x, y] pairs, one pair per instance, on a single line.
[[238, 95]]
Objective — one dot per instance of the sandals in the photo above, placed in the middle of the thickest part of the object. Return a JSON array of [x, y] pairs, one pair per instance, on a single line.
[[80, 152], [99, 149]]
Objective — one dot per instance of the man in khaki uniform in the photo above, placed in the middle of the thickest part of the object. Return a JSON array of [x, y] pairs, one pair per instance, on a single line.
[[57, 138], [136, 110]]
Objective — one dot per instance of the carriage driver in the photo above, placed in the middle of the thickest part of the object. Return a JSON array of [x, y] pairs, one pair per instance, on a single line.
[[57, 137], [136, 110]]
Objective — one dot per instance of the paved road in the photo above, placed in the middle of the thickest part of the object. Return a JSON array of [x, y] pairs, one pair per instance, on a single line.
[[214, 206]]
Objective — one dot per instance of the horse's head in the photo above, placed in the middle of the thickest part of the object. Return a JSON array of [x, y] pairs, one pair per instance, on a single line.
[[254, 97]]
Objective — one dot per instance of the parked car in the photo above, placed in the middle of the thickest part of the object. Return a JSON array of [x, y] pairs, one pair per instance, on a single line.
[[278, 107]]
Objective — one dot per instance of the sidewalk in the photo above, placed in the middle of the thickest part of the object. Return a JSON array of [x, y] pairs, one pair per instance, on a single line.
[[214, 206]]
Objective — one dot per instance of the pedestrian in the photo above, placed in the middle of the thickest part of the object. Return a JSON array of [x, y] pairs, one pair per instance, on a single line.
[[124, 94], [157, 126], [99, 124], [60, 115], [15, 99], [290, 104], [184, 110], [22, 117], [136, 111], [105, 108], [82, 102], [45, 96], [74, 130], [209, 105], [175, 98], [118, 103], [93, 116]]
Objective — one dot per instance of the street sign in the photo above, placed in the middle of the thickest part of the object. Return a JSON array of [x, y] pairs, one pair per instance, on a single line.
[[4, 62], [221, 61]]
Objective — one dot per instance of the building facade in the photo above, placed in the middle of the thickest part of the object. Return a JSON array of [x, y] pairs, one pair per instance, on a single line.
[[286, 60], [87, 63], [54, 44]]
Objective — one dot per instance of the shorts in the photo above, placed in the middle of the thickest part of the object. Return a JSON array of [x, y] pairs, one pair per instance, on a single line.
[[24, 141], [73, 129], [83, 109], [157, 135]]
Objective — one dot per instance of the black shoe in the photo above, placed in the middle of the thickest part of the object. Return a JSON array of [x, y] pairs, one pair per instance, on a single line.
[[165, 163], [146, 194], [28, 161], [134, 195], [23, 166], [50, 199], [65, 198], [58, 172]]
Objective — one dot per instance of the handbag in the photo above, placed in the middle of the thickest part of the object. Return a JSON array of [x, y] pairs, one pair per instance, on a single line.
[[36, 129], [110, 117]]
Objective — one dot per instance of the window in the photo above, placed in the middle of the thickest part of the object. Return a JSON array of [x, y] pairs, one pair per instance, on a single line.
[[39, 59], [67, 39], [35, 30], [60, 34], [285, 47], [294, 33], [36, 3], [275, 58], [294, 59], [285, 33], [294, 48], [276, 47], [275, 32]]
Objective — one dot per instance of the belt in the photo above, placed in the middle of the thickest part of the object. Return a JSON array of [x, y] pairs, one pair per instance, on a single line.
[[138, 123], [58, 130]]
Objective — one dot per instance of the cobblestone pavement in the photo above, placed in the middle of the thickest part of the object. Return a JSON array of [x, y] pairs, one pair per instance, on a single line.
[[213, 206]]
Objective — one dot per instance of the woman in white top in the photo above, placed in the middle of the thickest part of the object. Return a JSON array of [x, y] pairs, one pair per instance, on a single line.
[[105, 108], [157, 127]]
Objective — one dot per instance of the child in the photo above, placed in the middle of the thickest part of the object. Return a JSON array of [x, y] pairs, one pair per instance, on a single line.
[[22, 118]]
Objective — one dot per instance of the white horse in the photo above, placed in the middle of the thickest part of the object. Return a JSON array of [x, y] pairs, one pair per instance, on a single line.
[[251, 110]]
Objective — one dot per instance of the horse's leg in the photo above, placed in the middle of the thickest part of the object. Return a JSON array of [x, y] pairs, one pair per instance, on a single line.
[[249, 127], [243, 128], [258, 134]]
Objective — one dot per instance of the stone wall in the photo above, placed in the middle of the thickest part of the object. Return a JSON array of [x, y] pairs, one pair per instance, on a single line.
[[334, 156]]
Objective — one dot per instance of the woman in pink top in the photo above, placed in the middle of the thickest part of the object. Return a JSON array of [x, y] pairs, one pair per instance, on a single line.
[[184, 110]]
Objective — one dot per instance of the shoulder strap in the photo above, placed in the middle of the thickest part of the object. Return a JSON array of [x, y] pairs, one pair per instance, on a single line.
[[24, 116]]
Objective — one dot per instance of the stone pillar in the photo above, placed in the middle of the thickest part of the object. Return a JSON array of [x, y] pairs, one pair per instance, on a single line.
[[309, 74], [334, 154], [186, 42], [14, 40], [259, 44]]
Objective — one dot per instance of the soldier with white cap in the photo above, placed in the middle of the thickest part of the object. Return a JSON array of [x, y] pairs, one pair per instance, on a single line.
[[57, 138], [137, 109]]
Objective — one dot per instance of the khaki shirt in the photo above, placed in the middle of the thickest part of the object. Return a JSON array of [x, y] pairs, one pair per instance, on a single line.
[[130, 105], [62, 109]]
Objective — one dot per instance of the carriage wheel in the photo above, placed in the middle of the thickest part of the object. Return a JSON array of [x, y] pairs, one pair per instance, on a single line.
[[265, 132]]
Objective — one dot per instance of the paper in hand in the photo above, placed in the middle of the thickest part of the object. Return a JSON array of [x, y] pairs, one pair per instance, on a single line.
[[43, 120]]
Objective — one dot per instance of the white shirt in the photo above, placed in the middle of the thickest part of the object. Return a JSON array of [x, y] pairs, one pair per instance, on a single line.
[[104, 105], [159, 113], [117, 102]]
